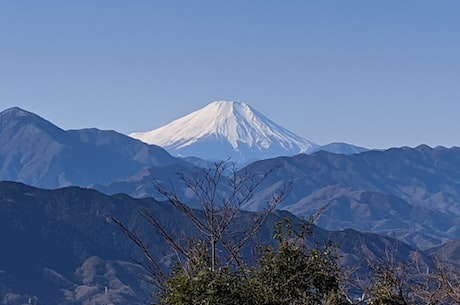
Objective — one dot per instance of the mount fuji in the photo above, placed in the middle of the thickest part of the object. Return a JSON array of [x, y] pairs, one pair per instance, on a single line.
[[227, 129]]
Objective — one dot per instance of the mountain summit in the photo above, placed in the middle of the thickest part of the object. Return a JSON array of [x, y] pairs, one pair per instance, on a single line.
[[34, 151], [226, 129]]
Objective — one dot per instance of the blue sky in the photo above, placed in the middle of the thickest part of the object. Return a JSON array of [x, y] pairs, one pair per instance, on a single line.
[[371, 73]]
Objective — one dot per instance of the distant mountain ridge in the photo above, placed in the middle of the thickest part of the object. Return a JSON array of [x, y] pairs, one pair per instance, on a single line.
[[341, 148], [411, 192], [224, 129], [36, 152]]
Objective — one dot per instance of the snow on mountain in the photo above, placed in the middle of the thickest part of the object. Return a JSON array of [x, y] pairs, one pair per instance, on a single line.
[[226, 129]]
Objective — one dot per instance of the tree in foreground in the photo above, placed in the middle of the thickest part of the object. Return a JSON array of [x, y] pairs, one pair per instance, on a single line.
[[289, 273], [410, 282], [298, 270], [221, 193], [211, 267]]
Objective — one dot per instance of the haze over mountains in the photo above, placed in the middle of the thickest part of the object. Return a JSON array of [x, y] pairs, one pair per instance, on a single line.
[[36, 152], [414, 192], [411, 193]]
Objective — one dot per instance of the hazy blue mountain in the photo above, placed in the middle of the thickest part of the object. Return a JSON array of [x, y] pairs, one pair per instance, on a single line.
[[341, 148], [142, 184], [411, 192], [61, 247], [36, 152]]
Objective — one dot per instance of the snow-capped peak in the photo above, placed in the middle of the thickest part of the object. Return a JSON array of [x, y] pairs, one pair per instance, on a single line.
[[235, 123]]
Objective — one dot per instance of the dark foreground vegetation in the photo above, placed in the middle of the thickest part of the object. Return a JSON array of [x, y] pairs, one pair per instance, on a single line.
[[222, 264]]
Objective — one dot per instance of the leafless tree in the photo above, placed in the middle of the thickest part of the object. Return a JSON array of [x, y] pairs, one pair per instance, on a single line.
[[411, 282], [222, 193]]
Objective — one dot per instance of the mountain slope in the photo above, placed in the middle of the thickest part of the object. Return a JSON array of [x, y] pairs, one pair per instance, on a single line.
[[225, 129], [36, 152], [61, 247], [411, 192]]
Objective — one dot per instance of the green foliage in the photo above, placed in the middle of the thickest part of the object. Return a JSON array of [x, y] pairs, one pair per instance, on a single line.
[[295, 273], [205, 287], [290, 273], [387, 289], [198, 284]]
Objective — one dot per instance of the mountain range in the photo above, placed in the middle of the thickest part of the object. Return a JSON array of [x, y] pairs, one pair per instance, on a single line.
[[412, 192], [36, 152], [61, 245]]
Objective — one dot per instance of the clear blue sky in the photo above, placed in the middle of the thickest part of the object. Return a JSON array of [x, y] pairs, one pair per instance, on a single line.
[[371, 73]]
